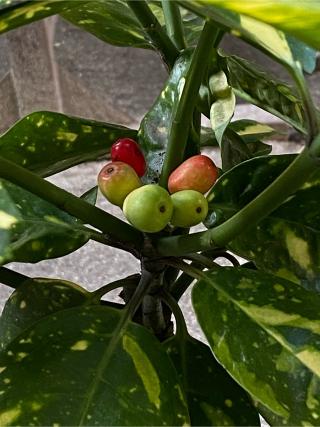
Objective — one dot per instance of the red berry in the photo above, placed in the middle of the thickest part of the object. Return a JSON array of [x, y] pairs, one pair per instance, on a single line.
[[126, 150]]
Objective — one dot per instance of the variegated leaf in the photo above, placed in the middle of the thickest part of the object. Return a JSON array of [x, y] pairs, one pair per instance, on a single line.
[[156, 124], [214, 399], [88, 365], [257, 87], [274, 42], [35, 299], [32, 229], [300, 18], [265, 331], [46, 142], [15, 13], [285, 243]]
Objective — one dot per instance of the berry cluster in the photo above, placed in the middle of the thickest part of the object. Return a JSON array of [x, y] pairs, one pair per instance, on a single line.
[[150, 208]]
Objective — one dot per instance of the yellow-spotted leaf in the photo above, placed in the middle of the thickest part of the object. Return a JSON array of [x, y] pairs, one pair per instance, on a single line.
[[286, 242], [46, 142], [214, 399], [35, 299], [156, 124], [89, 366], [300, 18], [15, 13], [32, 229], [272, 41], [260, 88], [265, 331]]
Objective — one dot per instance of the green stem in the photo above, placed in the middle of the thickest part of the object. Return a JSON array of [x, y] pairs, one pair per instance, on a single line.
[[114, 228], [266, 202], [204, 261], [307, 101], [183, 116], [12, 278], [152, 27], [173, 22], [181, 327], [99, 293]]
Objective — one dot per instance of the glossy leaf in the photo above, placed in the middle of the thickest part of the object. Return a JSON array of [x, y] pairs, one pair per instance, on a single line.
[[300, 19], [265, 332], [259, 88], [221, 113], [32, 229], [234, 150], [91, 195], [35, 299], [287, 241], [155, 126], [14, 14], [249, 130], [214, 399], [47, 143], [303, 53], [267, 38], [87, 367], [111, 21]]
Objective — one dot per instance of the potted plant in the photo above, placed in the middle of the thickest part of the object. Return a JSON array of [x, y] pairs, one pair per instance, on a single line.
[[70, 358]]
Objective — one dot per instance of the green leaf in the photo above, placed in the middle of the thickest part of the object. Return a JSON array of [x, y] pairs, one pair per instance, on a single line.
[[32, 229], [273, 42], [303, 53], [251, 130], [222, 109], [234, 150], [35, 299], [83, 366], [285, 243], [300, 19], [259, 88], [265, 332], [111, 21], [155, 126], [47, 143], [14, 14], [91, 195], [214, 399]]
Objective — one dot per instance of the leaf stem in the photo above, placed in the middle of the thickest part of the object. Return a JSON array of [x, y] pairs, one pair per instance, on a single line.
[[127, 281], [266, 202], [152, 27], [181, 327], [12, 278], [183, 116], [114, 228], [173, 22], [307, 101]]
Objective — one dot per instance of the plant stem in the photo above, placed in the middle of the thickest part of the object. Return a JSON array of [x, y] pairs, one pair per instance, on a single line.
[[12, 278], [266, 202], [173, 22], [204, 261], [183, 116], [307, 101], [152, 27], [114, 228], [181, 327], [127, 281]]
